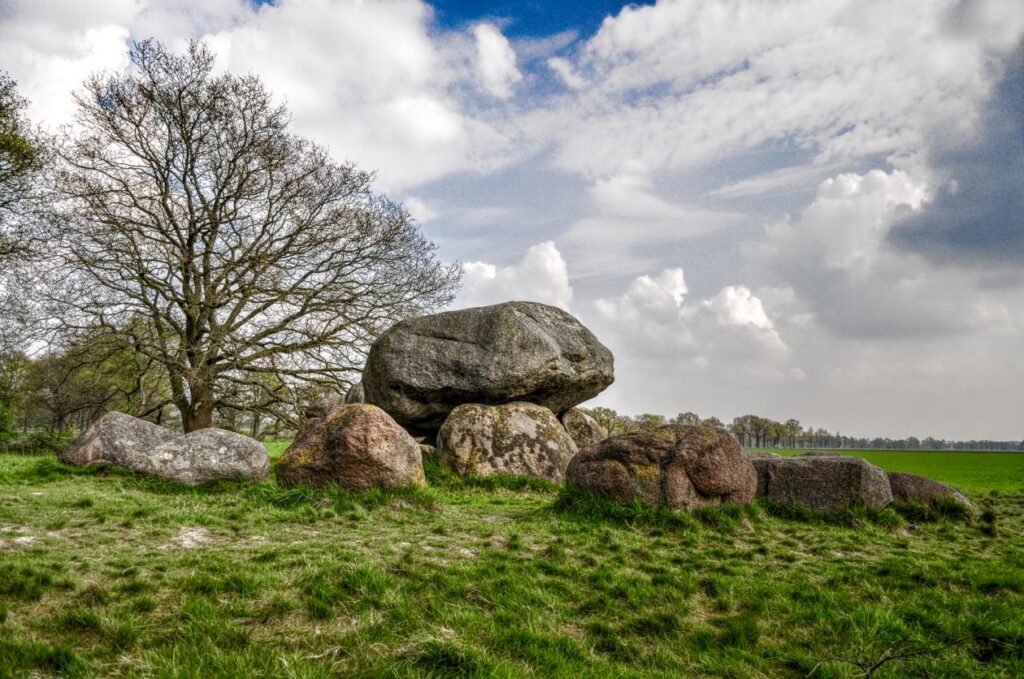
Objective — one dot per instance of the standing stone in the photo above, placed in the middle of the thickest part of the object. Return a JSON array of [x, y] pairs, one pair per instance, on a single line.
[[320, 408], [206, 455], [514, 438], [422, 368], [823, 482], [908, 487], [684, 467], [115, 439], [583, 428], [355, 394], [355, 446]]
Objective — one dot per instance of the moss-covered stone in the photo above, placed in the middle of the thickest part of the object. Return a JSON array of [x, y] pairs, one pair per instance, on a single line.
[[678, 466], [355, 446], [513, 438]]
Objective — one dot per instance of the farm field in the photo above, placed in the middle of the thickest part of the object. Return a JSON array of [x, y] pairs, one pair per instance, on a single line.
[[973, 472], [106, 574]]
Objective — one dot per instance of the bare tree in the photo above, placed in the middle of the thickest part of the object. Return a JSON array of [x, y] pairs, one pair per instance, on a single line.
[[193, 227]]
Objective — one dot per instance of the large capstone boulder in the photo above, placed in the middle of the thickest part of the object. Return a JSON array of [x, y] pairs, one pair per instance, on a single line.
[[907, 487], [684, 467], [422, 368], [357, 447], [584, 429], [513, 438], [206, 455], [822, 482], [115, 439]]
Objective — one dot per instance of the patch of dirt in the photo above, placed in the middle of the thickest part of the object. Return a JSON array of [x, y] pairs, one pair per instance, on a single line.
[[15, 543], [190, 538]]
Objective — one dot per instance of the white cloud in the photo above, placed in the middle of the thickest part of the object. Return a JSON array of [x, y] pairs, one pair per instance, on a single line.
[[652, 322], [371, 81], [837, 258], [564, 69], [541, 276], [495, 61], [680, 84]]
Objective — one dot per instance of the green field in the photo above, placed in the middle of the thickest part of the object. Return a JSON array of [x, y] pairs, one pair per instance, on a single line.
[[106, 574], [973, 472]]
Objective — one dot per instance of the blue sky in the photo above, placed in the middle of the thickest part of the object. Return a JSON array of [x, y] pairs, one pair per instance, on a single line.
[[529, 19], [797, 208]]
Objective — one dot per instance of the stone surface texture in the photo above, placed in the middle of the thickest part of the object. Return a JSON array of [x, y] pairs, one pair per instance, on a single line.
[[584, 429], [115, 439], [422, 368], [685, 467], [356, 446], [513, 438], [907, 487], [206, 455], [822, 482]]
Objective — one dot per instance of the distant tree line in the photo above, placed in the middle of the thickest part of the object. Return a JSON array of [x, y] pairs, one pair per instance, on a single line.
[[762, 432]]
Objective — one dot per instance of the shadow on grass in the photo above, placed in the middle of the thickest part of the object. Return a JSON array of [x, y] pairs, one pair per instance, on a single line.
[[583, 505], [437, 475], [853, 516]]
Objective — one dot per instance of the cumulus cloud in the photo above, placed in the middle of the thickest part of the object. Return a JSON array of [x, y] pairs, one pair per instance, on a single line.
[[652, 321], [541, 276], [495, 61], [678, 84], [371, 81], [837, 257]]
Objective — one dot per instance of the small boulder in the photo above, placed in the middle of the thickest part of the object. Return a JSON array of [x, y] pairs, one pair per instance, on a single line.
[[427, 450], [320, 408], [684, 467], [206, 455], [907, 487], [822, 482], [422, 368], [355, 394], [115, 439], [583, 428], [357, 447], [514, 438]]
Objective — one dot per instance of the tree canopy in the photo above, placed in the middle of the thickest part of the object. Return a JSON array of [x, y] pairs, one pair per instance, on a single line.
[[192, 228]]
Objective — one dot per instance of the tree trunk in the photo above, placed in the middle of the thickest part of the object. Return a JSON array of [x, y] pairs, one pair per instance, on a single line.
[[199, 412]]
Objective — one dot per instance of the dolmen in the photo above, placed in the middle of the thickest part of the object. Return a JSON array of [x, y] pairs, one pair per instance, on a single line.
[[494, 388], [205, 455], [422, 368]]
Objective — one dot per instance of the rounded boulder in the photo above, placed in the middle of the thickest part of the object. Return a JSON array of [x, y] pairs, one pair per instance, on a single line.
[[207, 455], [584, 429], [685, 467], [116, 439], [907, 487], [513, 438], [357, 447], [422, 368]]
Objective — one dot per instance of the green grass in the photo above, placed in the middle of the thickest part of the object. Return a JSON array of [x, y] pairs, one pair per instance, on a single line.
[[103, 574], [973, 472], [276, 447]]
